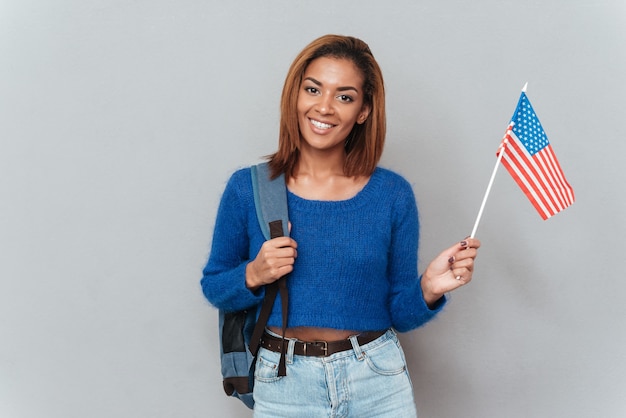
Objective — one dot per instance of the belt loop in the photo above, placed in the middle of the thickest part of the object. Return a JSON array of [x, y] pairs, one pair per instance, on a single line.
[[291, 344], [356, 347]]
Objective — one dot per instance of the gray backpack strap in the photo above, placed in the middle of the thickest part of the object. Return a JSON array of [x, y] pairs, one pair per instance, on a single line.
[[270, 199]]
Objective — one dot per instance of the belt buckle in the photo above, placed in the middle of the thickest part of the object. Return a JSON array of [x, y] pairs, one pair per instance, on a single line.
[[323, 345]]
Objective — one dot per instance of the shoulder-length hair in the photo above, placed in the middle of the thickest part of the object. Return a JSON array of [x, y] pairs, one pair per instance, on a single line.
[[364, 144]]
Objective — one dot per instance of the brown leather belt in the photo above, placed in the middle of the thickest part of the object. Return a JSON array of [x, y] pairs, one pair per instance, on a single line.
[[318, 348]]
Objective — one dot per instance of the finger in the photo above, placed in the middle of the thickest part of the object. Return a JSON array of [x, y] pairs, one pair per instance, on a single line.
[[283, 242], [464, 263], [277, 267], [286, 252], [459, 277], [462, 281], [471, 242], [464, 257], [270, 246], [454, 253], [278, 256], [462, 275]]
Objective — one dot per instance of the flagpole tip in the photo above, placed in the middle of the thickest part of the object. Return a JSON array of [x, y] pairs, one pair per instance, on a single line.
[[525, 87]]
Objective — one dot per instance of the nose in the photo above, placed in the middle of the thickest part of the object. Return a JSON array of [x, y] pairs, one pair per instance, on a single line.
[[325, 104]]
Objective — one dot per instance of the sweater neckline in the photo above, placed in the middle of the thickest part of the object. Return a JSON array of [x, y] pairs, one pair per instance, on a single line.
[[358, 200]]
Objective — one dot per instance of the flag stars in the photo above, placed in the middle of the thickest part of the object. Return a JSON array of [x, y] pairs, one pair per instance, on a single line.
[[528, 128]]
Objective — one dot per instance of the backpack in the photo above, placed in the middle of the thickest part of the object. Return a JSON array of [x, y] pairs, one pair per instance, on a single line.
[[240, 332]]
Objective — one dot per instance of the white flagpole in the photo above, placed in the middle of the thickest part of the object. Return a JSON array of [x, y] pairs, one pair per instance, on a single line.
[[493, 176]]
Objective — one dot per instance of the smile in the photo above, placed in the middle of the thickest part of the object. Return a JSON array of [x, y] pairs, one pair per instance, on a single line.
[[321, 125]]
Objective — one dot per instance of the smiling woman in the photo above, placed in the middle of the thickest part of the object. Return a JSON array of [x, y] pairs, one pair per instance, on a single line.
[[351, 255], [331, 102], [365, 144]]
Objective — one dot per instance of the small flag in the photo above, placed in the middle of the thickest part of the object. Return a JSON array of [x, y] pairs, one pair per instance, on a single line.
[[529, 158]]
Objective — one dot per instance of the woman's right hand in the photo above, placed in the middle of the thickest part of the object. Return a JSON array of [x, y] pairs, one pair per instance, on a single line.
[[274, 260]]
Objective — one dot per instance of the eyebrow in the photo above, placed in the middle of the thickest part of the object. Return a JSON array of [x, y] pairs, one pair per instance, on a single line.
[[318, 83]]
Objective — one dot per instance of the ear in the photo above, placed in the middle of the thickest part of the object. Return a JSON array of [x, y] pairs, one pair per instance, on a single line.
[[365, 112]]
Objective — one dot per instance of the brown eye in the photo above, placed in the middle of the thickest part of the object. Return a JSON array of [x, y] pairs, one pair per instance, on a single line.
[[312, 90]]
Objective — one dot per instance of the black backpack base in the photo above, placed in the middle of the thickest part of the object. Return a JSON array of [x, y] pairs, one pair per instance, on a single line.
[[236, 330]]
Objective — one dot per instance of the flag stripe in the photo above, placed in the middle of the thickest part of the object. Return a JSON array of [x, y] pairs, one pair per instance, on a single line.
[[526, 177], [523, 184], [541, 176], [531, 172], [557, 180], [535, 177], [544, 159], [542, 183], [565, 187]]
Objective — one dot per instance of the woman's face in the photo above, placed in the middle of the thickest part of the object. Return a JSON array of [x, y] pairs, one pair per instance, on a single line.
[[330, 102]]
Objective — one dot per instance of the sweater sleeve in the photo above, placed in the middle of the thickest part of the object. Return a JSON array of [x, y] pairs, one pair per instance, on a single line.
[[407, 306], [224, 276]]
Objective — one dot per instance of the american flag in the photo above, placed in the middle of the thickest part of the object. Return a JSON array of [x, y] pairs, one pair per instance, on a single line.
[[529, 158]]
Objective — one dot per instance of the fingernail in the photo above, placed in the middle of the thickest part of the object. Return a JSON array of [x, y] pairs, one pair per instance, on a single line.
[[451, 260], [463, 243]]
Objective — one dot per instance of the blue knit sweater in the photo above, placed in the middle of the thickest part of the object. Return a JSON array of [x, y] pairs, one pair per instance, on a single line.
[[357, 258]]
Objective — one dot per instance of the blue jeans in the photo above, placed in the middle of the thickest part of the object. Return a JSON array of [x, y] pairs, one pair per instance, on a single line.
[[367, 381]]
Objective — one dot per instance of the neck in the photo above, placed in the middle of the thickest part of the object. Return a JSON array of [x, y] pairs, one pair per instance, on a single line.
[[324, 178], [320, 165]]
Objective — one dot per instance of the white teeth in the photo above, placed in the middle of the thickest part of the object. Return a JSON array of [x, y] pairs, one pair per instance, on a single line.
[[321, 125]]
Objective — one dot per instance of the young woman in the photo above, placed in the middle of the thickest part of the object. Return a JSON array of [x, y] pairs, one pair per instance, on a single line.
[[351, 255]]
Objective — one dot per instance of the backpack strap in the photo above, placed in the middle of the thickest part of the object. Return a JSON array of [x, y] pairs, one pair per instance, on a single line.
[[270, 201]]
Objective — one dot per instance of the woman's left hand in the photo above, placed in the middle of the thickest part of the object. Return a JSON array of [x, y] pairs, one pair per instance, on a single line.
[[449, 270]]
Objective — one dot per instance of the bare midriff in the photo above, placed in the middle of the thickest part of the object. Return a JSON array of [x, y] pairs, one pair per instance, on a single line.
[[311, 334]]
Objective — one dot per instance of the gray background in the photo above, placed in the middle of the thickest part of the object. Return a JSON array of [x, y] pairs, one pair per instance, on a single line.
[[120, 122]]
